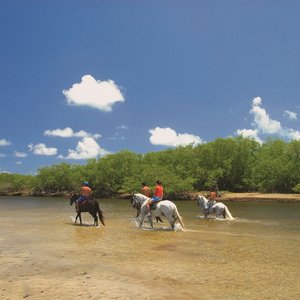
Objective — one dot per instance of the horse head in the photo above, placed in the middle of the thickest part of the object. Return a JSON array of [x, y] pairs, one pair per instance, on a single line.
[[201, 200], [135, 203], [73, 197]]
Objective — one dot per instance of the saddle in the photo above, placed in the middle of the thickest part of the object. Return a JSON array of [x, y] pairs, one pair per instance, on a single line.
[[153, 205], [85, 201]]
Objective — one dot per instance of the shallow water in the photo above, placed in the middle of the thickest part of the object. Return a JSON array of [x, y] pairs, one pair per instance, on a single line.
[[43, 254]]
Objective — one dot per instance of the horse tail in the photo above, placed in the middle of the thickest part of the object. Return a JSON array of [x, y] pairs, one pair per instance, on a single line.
[[228, 215], [178, 217], [100, 213]]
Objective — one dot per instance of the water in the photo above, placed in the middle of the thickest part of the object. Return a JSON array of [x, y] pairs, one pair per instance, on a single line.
[[44, 255]]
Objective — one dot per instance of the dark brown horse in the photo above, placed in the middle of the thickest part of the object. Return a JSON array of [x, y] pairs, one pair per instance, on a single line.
[[91, 206]]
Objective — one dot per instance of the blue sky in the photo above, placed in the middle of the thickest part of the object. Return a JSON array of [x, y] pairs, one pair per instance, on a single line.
[[81, 79]]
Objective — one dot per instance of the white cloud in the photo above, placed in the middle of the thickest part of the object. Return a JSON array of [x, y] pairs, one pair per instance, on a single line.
[[20, 154], [291, 115], [263, 122], [2, 155], [86, 149], [94, 93], [4, 142], [42, 149], [3, 171], [249, 133], [68, 132], [18, 163], [291, 134], [256, 101], [169, 137]]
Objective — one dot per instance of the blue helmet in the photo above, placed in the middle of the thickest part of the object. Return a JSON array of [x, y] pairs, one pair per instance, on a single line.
[[86, 183]]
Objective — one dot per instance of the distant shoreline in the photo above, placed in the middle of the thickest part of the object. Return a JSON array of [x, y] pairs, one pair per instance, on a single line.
[[260, 197], [226, 196]]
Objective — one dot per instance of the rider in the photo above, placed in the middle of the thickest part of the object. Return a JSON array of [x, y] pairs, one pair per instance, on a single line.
[[85, 194], [145, 190], [211, 201], [158, 195]]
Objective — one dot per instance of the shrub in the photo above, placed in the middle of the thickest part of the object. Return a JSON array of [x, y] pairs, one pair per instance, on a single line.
[[296, 188]]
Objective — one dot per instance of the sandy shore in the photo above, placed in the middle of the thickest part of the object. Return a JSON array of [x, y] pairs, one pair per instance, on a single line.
[[259, 197], [225, 196]]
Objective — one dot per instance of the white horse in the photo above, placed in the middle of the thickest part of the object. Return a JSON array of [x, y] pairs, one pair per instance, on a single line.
[[213, 207], [164, 208]]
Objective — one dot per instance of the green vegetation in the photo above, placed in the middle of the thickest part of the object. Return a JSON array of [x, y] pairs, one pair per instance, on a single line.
[[234, 164]]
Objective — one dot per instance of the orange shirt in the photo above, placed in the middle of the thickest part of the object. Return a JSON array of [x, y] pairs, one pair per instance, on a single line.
[[86, 191], [159, 191], [146, 191]]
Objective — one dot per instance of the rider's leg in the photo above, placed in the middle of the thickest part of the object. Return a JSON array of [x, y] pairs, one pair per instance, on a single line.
[[206, 209], [149, 202], [78, 202]]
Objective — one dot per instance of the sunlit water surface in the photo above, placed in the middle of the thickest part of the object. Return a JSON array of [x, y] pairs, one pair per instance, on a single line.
[[255, 256]]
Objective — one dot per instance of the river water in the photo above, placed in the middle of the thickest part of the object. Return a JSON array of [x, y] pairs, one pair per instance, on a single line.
[[45, 256]]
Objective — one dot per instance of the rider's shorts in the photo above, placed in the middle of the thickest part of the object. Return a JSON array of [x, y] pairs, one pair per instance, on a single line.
[[81, 199], [155, 199]]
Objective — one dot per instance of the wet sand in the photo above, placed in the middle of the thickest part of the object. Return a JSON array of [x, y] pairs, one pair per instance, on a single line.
[[45, 256]]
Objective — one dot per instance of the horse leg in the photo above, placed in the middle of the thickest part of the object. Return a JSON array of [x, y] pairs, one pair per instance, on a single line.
[[158, 219], [171, 219], [142, 216], [95, 220], [172, 225], [205, 213], [94, 215], [78, 216], [151, 221], [172, 222], [224, 214]]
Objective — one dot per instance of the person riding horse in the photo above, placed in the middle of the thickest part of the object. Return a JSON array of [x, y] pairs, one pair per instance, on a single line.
[[211, 201], [145, 190], [158, 195], [85, 194]]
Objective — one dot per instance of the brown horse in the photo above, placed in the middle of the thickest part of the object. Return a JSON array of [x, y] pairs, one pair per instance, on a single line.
[[91, 206]]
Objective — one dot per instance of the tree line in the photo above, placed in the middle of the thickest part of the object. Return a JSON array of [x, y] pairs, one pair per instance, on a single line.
[[234, 164]]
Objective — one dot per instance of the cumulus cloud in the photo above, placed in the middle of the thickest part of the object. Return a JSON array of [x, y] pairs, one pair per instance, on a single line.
[[262, 120], [20, 154], [169, 137], [291, 115], [249, 133], [291, 134], [4, 142], [97, 94], [87, 148], [68, 132], [256, 101], [42, 149], [264, 124]]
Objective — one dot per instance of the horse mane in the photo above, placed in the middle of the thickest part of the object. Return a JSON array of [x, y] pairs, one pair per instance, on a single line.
[[142, 195], [201, 196]]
